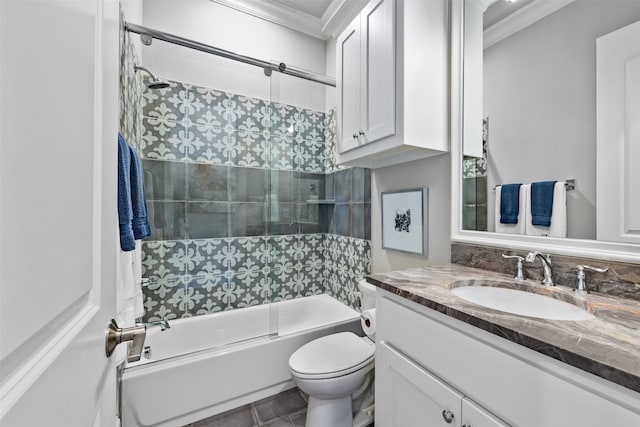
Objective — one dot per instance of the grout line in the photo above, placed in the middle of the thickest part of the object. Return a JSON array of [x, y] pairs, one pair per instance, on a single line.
[[254, 414]]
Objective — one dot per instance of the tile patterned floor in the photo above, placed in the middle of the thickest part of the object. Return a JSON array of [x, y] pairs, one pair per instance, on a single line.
[[286, 409]]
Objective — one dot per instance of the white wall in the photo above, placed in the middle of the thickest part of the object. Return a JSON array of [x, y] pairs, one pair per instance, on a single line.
[[330, 70], [539, 95], [434, 173], [213, 24]]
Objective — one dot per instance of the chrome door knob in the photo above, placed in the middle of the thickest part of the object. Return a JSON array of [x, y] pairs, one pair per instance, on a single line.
[[447, 415]]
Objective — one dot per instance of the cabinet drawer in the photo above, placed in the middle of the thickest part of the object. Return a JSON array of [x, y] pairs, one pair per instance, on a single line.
[[519, 385]]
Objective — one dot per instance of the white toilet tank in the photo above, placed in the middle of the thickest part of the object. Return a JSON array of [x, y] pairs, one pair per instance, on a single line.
[[368, 292]]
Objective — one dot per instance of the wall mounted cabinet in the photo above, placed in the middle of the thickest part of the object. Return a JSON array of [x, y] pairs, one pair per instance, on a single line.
[[393, 83]]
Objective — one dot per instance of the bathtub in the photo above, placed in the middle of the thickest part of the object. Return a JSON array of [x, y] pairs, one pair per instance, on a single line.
[[209, 364]]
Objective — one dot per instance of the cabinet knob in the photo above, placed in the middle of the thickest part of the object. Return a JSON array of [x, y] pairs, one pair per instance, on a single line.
[[355, 135], [361, 133], [447, 415]]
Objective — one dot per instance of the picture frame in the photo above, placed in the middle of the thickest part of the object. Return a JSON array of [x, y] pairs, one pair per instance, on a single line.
[[404, 220]]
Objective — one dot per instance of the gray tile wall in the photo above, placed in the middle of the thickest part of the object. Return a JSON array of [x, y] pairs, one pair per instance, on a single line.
[[227, 182]]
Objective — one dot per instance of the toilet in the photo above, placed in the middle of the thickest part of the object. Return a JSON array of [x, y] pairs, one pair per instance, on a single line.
[[336, 371]]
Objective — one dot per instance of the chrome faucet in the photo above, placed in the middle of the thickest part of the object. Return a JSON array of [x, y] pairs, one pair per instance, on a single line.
[[164, 324], [581, 285], [546, 265], [519, 274]]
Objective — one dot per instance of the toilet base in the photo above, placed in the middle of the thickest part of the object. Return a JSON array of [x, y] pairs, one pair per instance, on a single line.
[[329, 412]]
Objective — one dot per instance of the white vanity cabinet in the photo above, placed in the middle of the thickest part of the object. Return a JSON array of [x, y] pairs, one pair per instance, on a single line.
[[411, 396], [427, 362], [393, 83]]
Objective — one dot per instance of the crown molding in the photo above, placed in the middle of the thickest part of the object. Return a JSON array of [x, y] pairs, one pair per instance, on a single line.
[[333, 21], [521, 19]]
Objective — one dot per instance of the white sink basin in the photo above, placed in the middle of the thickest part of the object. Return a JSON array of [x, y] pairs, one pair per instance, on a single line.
[[522, 303]]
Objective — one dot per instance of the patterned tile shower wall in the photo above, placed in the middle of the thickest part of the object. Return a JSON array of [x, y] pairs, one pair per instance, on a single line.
[[227, 181], [130, 93]]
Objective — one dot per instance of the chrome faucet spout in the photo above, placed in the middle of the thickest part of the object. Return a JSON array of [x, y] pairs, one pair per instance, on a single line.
[[546, 266], [164, 324]]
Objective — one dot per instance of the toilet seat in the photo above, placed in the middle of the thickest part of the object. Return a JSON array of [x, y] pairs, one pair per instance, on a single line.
[[332, 356]]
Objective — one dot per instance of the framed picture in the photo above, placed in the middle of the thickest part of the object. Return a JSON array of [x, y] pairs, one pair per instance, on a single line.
[[404, 220]]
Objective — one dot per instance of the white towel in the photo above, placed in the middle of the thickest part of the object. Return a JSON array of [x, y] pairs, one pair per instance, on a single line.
[[138, 299], [558, 227], [129, 299], [511, 228], [125, 311]]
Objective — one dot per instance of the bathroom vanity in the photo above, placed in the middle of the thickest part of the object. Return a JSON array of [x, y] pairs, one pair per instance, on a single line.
[[442, 360]]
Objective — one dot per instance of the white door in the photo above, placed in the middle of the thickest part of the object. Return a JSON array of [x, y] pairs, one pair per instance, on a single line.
[[408, 396], [58, 220], [618, 135]]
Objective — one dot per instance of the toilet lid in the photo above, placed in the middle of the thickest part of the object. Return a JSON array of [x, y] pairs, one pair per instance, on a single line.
[[331, 356]]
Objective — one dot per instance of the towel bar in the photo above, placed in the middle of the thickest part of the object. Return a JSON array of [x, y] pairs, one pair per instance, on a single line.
[[569, 184]]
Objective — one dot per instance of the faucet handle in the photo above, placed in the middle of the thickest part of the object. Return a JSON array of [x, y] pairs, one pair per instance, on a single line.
[[581, 285], [519, 275]]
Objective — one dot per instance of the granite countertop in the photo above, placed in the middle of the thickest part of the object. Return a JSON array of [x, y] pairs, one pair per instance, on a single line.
[[607, 346]]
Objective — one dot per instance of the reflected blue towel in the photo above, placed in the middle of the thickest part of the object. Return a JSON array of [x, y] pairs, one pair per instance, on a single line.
[[125, 210], [542, 202], [139, 222], [509, 203]]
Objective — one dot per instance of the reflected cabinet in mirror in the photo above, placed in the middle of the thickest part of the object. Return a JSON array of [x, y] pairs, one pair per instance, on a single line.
[[549, 91]]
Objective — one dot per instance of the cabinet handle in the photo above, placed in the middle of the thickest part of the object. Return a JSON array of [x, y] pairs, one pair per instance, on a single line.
[[361, 133], [355, 135], [447, 415], [467, 425]]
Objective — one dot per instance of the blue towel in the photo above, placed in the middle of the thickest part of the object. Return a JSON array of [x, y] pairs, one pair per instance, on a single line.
[[509, 203], [139, 222], [542, 202], [125, 210]]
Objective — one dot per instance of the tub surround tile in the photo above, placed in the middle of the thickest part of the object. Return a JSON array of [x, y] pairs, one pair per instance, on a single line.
[[206, 220], [622, 279], [606, 346], [207, 182], [225, 169], [164, 180]]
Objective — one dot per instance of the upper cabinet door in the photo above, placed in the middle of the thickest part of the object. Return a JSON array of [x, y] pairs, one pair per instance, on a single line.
[[378, 114], [618, 135], [349, 82]]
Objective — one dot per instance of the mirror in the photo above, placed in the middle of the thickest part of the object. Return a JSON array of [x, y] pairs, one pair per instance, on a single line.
[[529, 108]]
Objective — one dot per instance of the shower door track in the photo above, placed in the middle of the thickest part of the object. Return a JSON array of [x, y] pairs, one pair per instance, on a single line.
[[268, 67]]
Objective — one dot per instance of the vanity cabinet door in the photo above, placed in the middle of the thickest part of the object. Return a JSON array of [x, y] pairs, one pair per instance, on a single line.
[[474, 415], [408, 396]]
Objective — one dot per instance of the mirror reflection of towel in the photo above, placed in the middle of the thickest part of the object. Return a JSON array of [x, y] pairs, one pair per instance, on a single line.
[[542, 202], [519, 226], [509, 203], [558, 221]]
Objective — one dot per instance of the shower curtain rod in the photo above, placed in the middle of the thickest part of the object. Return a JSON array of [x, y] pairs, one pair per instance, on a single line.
[[268, 67]]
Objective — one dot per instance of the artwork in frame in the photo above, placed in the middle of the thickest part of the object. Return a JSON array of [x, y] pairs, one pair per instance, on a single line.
[[404, 220]]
